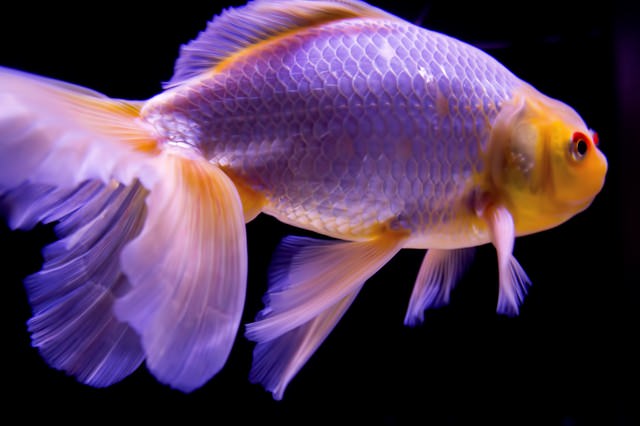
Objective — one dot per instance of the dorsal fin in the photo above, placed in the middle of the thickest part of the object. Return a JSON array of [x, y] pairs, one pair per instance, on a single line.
[[239, 28]]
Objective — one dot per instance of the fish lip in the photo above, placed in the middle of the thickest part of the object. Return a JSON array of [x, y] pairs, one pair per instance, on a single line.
[[581, 204], [596, 182]]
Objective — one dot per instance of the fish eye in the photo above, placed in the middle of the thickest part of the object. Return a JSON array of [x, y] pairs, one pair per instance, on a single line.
[[579, 146]]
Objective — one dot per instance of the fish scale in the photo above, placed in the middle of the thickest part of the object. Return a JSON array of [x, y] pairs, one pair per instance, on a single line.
[[350, 125]]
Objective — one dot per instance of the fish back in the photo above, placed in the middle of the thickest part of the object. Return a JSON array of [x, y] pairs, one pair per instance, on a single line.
[[347, 125]]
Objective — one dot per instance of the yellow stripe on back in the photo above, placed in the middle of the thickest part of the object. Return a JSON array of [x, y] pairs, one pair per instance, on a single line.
[[237, 30]]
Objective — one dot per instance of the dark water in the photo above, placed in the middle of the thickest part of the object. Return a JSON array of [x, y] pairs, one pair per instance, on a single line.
[[568, 359]]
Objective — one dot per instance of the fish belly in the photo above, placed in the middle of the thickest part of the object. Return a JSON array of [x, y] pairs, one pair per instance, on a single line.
[[348, 127]]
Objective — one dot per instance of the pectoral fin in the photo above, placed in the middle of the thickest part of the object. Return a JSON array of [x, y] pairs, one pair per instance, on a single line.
[[513, 280], [312, 283]]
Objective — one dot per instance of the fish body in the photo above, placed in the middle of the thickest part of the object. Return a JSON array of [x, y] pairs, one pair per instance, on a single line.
[[332, 116], [349, 125]]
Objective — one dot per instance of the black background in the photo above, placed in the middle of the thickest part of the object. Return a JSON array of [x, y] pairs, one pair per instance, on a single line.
[[570, 358]]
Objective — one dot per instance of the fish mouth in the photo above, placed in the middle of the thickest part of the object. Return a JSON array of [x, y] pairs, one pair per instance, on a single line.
[[591, 183], [577, 205], [596, 180]]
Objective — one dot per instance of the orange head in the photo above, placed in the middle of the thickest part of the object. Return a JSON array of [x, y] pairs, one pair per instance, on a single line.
[[544, 163]]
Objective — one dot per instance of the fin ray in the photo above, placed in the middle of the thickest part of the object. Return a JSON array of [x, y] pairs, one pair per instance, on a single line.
[[188, 272], [152, 257], [309, 275], [312, 283], [514, 284], [513, 280], [239, 28], [72, 297], [277, 361], [61, 135], [439, 273], [73, 156]]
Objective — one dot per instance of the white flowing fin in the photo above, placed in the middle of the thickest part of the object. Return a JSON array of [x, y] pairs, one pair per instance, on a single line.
[[187, 271], [439, 273], [513, 280], [238, 29], [73, 156], [60, 135], [72, 296], [152, 261], [312, 282]]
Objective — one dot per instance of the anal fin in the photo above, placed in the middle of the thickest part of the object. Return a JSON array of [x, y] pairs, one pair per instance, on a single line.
[[312, 283], [277, 361]]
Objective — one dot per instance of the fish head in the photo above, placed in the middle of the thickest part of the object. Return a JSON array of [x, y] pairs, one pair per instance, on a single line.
[[546, 163]]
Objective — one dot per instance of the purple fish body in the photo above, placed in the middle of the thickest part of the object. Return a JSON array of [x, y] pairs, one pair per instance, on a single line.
[[348, 125], [330, 115]]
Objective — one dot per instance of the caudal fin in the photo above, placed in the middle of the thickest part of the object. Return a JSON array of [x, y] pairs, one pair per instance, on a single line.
[[151, 258], [73, 295]]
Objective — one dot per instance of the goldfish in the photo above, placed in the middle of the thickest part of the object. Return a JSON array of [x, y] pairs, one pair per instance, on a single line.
[[332, 116]]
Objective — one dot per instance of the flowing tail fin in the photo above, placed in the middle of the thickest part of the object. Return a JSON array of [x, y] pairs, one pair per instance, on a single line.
[[151, 258]]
